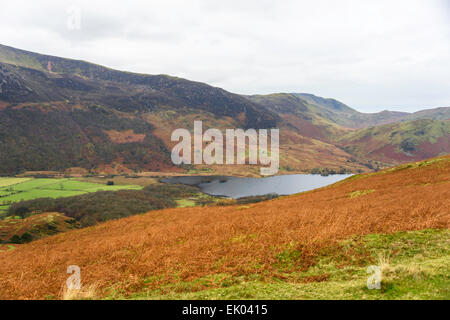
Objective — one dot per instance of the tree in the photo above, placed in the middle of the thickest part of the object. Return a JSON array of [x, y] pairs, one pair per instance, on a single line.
[[15, 239], [26, 237], [22, 211]]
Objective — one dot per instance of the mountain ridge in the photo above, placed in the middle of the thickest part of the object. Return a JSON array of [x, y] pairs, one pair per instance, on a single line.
[[141, 111], [376, 118]]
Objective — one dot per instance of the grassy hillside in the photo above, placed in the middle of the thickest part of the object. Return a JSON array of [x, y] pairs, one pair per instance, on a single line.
[[414, 264], [315, 244], [405, 141]]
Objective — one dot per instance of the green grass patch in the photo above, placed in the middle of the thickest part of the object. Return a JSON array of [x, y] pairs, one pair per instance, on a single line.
[[8, 181], [40, 193], [74, 185], [184, 203], [199, 170], [36, 184], [6, 248]]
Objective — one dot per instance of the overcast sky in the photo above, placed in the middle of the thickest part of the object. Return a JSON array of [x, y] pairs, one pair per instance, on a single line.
[[371, 55]]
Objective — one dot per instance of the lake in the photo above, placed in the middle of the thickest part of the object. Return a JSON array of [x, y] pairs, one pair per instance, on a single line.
[[237, 187]]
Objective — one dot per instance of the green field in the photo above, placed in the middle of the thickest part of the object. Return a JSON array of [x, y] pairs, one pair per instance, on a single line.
[[18, 189], [183, 203], [4, 182]]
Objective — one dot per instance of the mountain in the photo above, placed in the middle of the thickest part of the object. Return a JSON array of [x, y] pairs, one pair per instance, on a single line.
[[31, 77], [67, 115], [59, 113], [343, 115]]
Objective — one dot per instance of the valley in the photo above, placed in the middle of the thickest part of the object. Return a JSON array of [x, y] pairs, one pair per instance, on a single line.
[[33, 208], [83, 148]]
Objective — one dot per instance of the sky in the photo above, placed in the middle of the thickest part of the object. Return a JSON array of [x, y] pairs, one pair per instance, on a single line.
[[371, 55]]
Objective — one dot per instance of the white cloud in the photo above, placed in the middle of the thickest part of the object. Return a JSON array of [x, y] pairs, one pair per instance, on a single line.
[[370, 55]]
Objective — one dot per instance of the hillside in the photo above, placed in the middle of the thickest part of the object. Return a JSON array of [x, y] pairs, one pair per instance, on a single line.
[[32, 77], [66, 115], [34, 227], [318, 242], [301, 116], [49, 104], [405, 141]]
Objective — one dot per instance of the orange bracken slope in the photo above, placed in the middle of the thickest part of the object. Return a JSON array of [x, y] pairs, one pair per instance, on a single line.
[[193, 242]]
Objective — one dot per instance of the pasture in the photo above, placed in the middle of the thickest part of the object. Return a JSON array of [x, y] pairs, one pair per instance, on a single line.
[[18, 189]]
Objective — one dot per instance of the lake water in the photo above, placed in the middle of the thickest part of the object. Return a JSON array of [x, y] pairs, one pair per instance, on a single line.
[[236, 187]]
